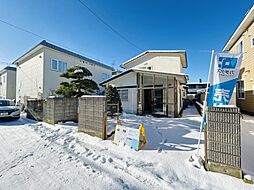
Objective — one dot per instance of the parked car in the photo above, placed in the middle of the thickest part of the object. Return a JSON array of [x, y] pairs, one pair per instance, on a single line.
[[8, 109]]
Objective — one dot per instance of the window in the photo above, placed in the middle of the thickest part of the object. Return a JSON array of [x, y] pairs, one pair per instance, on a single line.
[[105, 76], [57, 65], [62, 66], [54, 64], [123, 95], [252, 42], [3, 79], [240, 89]]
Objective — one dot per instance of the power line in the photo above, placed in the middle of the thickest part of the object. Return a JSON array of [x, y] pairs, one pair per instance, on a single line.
[[109, 26], [4, 62], [42, 37]]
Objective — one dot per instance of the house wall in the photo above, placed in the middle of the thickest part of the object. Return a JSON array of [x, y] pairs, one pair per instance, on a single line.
[[11, 84], [3, 85], [247, 70], [52, 78], [29, 78], [130, 81], [127, 80], [158, 62]]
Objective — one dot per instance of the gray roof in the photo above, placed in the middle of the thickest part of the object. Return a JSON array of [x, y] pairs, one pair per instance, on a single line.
[[145, 71], [52, 46], [9, 68]]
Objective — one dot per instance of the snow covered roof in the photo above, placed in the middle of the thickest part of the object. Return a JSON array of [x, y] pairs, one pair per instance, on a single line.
[[245, 23], [181, 53]]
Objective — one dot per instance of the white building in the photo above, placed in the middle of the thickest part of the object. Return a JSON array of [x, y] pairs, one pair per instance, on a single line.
[[196, 87], [8, 83], [153, 83], [39, 69]]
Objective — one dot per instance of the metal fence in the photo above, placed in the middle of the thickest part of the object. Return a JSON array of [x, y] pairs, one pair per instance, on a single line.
[[223, 140]]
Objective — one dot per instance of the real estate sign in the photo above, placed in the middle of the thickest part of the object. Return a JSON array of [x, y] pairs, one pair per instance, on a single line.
[[224, 75]]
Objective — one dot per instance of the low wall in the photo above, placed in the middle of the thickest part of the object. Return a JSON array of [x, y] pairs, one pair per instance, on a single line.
[[93, 116], [223, 141], [60, 110]]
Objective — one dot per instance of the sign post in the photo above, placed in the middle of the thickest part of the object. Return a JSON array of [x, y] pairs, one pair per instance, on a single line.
[[223, 78]]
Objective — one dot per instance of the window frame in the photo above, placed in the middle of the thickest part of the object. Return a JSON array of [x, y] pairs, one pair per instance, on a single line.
[[242, 91], [121, 95], [51, 65], [64, 66], [252, 42], [58, 62]]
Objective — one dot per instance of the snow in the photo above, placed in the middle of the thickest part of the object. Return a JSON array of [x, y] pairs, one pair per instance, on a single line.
[[247, 144], [42, 156]]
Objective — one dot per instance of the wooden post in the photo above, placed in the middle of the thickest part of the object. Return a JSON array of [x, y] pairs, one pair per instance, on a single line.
[[141, 93], [175, 97], [153, 93], [167, 96]]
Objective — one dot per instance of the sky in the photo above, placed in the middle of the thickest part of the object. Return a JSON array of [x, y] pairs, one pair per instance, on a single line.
[[197, 26]]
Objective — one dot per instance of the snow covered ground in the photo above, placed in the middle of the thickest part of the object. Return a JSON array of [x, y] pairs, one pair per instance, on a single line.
[[248, 144], [42, 156]]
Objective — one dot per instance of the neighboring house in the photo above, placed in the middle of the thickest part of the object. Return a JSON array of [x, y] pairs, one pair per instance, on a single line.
[[196, 90], [8, 83], [196, 87], [242, 41], [39, 69], [153, 83]]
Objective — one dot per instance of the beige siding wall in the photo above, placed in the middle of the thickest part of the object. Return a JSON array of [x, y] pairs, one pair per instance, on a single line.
[[52, 78], [247, 70], [29, 80], [158, 62]]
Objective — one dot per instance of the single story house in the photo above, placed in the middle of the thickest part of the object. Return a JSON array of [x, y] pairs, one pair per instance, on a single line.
[[242, 41], [39, 69], [8, 83], [153, 83]]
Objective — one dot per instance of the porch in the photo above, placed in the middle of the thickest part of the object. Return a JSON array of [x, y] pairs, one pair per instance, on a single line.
[[159, 94]]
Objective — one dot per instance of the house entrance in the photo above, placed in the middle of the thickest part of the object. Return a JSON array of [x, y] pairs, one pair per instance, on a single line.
[[153, 101], [148, 101], [158, 101]]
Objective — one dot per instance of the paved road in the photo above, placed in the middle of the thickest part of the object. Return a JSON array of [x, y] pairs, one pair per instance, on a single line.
[[248, 144]]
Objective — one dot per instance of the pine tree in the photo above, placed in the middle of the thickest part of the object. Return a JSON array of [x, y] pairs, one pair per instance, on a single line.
[[113, 97], [79, 84]]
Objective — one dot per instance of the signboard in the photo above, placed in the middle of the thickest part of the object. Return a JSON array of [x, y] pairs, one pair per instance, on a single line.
[[129, 136]]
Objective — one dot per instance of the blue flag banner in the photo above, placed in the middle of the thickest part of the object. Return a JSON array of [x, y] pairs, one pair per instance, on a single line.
[[223, 78], [224, 75]]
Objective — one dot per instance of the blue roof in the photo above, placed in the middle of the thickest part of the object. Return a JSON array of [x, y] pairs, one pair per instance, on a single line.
[[52, 46]]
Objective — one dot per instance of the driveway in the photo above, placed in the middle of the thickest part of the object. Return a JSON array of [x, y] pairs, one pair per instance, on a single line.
[[248, 144]]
